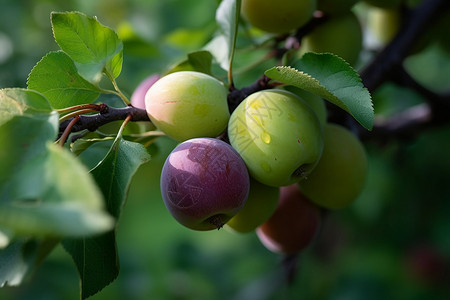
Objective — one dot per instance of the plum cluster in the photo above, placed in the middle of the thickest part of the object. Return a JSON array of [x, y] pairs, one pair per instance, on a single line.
[[281, 163]]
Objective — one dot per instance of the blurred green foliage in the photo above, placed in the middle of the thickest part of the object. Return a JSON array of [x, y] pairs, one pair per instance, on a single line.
[[392, 243]]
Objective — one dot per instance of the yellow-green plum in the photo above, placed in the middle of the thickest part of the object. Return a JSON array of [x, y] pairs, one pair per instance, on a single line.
[[187, 105], [294, 224], [384, 23], [261, 203], [204, 183], [279, 16], [340, 34], [317, 104], [384, 3], [334, 7], [278, 135], [340, 175]]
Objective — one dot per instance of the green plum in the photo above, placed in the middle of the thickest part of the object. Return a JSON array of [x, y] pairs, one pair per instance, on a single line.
[[317, 104], [334, 7], [384, 3], [341, 172], [278, 135], [384, 23], [188, 104], [340, 35], [261, 203], [279, 16]]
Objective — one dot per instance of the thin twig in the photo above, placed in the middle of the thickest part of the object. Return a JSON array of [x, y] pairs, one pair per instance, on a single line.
[[77, 113], [68, 129]]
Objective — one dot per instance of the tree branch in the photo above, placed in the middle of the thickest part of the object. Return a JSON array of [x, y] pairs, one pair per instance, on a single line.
[[416, 24], [107, 115]]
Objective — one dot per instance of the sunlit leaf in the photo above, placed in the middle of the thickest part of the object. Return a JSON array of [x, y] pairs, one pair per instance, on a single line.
[[57, 77], [331, 78], [88, 42], [17, 101]]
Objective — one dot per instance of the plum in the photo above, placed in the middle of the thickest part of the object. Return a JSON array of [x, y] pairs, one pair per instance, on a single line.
[[204, 183], [138, 96], [294, 224]]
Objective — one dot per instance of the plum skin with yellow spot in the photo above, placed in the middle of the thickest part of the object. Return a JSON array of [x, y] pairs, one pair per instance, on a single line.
[[278, 135], [187, 105], [204, 183]]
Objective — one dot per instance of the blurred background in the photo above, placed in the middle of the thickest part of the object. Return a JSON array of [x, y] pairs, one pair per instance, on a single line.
[[392, 243]]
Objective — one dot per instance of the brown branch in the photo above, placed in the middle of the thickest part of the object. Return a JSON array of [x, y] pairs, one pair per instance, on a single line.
[[416, 24], [109, 114]]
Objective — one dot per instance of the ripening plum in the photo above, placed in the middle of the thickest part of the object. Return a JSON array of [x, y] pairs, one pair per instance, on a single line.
[[138, 96], [204, 183], [294, 224], [187, 105]]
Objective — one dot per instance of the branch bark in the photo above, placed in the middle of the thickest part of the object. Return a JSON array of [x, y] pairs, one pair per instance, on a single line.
[[107, 115], [416, 24]]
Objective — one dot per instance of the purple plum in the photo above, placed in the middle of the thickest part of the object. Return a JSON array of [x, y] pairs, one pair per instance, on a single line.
[[138, 96], [204, 183]]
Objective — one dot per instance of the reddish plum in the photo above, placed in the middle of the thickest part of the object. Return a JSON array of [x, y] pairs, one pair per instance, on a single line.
[[204, 183], [138, 96], [293, 225]]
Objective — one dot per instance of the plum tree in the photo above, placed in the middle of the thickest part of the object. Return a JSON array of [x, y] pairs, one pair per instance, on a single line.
[[261, 203], [340, 34], [138, 96], [182, 103], [278, 135], [341, 172], [293, 225], [278, 16], [204, 183]]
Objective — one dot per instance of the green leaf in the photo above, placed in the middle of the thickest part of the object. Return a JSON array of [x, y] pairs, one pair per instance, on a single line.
[[114, 65], [56, 76], [17, 101], [21, 258], [200, 61], [227, 17], [331, 78], [27, 126], [53, 195], [97, 258], [88, 42], [114, 173]]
